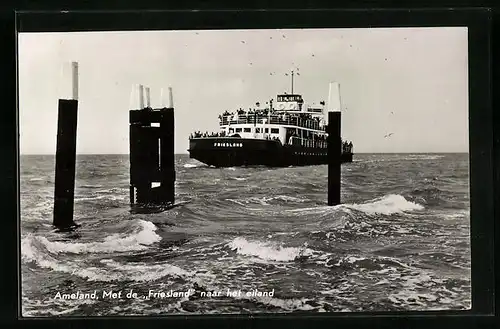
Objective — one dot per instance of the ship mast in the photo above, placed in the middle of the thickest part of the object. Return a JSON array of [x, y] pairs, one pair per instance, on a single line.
[[292, 74]]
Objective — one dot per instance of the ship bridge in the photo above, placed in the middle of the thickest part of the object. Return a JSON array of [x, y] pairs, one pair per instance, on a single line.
[[289, 102]]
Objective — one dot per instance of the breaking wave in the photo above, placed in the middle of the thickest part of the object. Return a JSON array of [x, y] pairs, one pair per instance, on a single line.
[[143, 236], [400, 240], [43, 253], [268, 251], [113, 271], [387, 205]]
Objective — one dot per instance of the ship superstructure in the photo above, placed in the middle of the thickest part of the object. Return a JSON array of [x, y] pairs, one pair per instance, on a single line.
[[283, 132]]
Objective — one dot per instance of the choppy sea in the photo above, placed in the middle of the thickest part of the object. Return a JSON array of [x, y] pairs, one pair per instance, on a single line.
[[399, 241]]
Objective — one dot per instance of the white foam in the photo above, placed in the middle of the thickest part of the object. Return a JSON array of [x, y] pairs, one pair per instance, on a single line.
[[33, 251], [82, 198], [267, 251], [287, 198], [145, 272], [458, 214], [140, 239], [314, 210], [266, 199], [236, 201], [349, 259], [292, 304], [423, 157], [286, 304], [52, 307], [114, 272], [387, 205], [190, 165]]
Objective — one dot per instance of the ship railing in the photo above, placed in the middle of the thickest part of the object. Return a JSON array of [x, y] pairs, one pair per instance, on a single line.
[[306, 142], [273, 119]]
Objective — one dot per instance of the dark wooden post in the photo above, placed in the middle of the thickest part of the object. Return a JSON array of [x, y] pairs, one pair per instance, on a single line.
[[152, 156], [64, 189], [167, 158], [334, 141]]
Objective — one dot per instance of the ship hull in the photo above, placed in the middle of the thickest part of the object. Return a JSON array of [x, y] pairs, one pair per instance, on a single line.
[[235, 152]]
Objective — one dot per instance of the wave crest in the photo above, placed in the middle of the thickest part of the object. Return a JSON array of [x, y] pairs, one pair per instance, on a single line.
[[264, 200], [268, 251], [143, 236], [387, 205]]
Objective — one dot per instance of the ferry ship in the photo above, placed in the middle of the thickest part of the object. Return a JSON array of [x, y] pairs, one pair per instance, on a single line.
[[283, 133]]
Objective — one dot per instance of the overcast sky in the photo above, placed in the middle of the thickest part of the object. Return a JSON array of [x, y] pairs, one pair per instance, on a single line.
[[409, 82]]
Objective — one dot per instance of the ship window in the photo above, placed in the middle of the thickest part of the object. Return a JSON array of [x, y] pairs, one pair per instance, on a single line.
[[238, 130], [275, 131], [231, 130], [257, 130], [247, 130], [266, 130]]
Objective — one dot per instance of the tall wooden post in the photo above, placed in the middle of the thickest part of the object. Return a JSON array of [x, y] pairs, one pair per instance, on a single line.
[[64, 190], [334, 141], [167, 160]]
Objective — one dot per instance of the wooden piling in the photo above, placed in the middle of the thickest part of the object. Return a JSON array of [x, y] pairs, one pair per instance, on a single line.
[[152, 157], [170, 98], [64, 190], [334, 141], [148, 97], [167, 160], [141, 96]]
